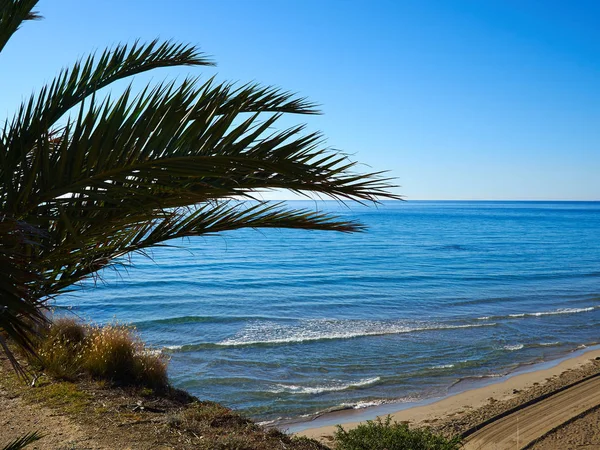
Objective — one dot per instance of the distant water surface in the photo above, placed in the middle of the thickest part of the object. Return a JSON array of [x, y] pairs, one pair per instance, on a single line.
[[286, 323]]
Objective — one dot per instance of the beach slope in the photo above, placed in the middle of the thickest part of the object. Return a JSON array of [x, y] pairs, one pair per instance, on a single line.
[[458, 413]]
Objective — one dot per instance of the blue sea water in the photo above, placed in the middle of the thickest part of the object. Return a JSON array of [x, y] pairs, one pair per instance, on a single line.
[[288, 323]]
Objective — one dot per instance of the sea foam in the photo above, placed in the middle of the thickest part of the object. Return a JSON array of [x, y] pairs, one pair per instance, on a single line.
[[514, 347], [329, 387], [316, 329], [541, 313]]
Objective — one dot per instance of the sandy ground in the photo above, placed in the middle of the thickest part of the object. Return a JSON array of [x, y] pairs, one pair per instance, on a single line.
[[582, 434], [59, 431], [530, 423], [459, 412]]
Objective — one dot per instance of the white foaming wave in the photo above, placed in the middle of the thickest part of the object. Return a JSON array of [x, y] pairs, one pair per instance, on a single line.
[[320, 329], [563, 311], [365, 404], [332, 387], [543, 313], [266, 423], [549, 344], [443, 366], [512, 348], [173, 347], [556, 312]]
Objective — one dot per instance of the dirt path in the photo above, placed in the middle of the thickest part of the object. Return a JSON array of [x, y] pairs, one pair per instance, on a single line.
[[58, 431], [520, 428]]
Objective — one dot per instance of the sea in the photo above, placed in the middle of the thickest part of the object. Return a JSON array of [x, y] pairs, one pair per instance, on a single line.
[[288, 324]]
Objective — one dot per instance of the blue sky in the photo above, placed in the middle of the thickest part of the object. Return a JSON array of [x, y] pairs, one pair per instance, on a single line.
[[458, 99]]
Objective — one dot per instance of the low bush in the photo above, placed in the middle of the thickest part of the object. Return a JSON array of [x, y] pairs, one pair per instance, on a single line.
[[69, 349], [151, 370], [110, 353], [60, 349], [387, 435]]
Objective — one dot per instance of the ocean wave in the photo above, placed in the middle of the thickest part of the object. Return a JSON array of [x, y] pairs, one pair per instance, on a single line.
[[202, 319], [172, 347], [553, 313], [514, 347], [283, 422], [267, 423], [542, 313], [366, 404], [331, 387], [443, 366], [316, 330]]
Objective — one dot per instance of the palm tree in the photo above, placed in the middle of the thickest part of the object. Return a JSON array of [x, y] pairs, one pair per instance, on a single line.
[[87, 178]]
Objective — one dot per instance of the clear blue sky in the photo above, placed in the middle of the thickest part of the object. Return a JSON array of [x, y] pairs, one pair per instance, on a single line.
[[494, 99]]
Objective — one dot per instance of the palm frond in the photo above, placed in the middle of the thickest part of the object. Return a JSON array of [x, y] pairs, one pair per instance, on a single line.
[[41, 112], [100, 245], [88, 177], [179, 146], [12, 15], [23, 441]]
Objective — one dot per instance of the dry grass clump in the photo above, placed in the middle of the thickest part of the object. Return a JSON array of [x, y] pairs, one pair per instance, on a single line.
[[212, 415], [60, 349], [70, 349], [110, 353]]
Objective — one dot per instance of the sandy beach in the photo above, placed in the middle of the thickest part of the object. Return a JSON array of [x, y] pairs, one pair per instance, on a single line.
[[458, 412]]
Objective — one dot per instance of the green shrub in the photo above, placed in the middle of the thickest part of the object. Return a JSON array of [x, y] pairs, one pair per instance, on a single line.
[[387, 435]]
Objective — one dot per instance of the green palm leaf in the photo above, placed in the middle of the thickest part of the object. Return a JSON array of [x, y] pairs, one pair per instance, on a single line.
[[12, 15], [23, 441], [88, 176]]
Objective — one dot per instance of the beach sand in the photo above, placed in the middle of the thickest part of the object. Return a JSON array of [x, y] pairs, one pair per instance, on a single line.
[[456, 413]]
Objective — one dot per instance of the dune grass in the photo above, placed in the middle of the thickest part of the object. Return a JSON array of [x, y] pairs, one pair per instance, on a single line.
[[70, 349]]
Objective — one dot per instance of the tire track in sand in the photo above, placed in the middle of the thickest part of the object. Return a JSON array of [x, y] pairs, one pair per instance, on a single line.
[[523, 427]]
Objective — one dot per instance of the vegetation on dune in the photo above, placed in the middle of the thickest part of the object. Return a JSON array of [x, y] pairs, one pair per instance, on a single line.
[[135, 417], [387, 435], [69, 350], [202, 417], [89, 175]]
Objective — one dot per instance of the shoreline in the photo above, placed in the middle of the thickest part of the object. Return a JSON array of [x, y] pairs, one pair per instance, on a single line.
[[460, 400]]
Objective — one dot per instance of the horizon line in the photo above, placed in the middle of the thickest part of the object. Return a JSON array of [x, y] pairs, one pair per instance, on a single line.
[[438, 200]]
